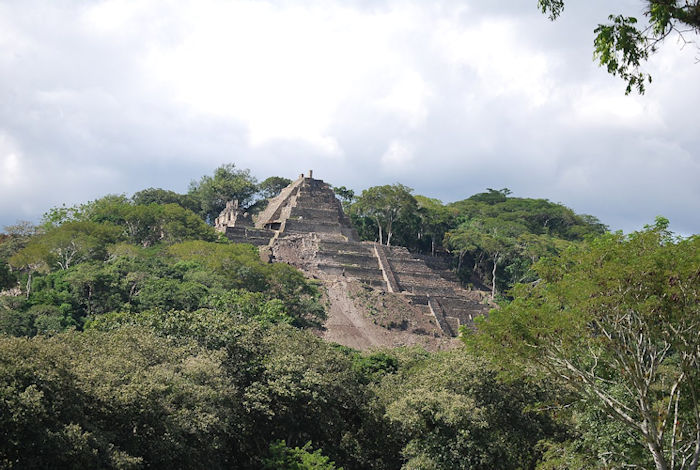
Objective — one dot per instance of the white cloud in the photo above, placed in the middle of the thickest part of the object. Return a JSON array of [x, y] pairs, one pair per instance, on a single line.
[[606, 107], [407, 99], [398, 156], [11, 172], [282, 72], [503, 62]]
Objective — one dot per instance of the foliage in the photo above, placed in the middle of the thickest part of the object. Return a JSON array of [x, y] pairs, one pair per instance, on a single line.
[[283, 457], [143, 224], [15, 238], [592, 440], [375, 365], [185, 276], [7, 277], [272, 186], [149, 343], [387, 206], [538, 216], [621, 46], [149, 196], [617, 319], [503, 236], [66, 245], [453, 413], [435, 220], [290, 385], [111, 400], [213, 192], [493, 238], [241, 265], [346, 195]]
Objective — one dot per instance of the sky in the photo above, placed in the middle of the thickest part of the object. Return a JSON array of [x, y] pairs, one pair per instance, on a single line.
[[447, 97]]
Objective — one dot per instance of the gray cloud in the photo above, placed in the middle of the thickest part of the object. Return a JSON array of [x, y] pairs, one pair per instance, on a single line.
[[446, 97]]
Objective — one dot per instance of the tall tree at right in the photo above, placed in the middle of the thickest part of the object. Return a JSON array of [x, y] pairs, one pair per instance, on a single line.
[[617, 320]]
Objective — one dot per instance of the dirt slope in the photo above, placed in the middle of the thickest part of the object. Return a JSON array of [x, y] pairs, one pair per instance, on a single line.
[[355, 317]]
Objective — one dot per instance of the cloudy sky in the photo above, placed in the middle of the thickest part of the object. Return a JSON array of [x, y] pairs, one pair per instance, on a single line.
[[447, 97]]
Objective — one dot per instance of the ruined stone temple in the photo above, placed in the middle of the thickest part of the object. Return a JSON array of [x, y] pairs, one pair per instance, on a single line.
[[377, 295]]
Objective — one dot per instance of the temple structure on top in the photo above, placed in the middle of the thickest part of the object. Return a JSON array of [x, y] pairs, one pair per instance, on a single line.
[[307, 205], [305, 226]]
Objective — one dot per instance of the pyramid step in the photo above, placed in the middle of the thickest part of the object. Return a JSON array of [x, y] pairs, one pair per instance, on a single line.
[[307, 226], [333, 246], [419, 289], [315, 213], [351, 271], [357, 259]]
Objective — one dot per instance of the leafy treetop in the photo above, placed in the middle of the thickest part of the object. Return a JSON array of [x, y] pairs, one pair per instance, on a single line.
[[622, 45]]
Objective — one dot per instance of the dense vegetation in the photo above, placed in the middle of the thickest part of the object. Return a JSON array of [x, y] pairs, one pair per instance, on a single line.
[[134, 337], [493, 238], [617, 321]]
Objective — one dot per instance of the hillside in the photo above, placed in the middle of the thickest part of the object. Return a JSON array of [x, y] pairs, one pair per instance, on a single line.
[[133, 334]]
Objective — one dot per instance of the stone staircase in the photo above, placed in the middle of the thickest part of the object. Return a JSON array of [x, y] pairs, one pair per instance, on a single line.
[[350, 259], [315, 209], [451, 305]]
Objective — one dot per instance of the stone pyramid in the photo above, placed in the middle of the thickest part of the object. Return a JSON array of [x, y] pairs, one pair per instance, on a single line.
[[305, 226]]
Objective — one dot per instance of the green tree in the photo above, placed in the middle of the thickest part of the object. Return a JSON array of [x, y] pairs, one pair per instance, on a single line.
[[346, 195], [239, 263], [435, 221], [283, 457], [463, 240], [452, 412], [240, 266], [306, 390], [504, 235], [617, 319], [15, 238], [227, 184], [66, 245], [7, 277], [272, 186], [164, 196], [490, 239], [119, 399], [147, 224], [166, 223], [622, 45], [491, 196], [12, 241], [386, 205]]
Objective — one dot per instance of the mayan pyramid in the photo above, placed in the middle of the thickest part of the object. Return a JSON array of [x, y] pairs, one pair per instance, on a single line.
[[305, 226]]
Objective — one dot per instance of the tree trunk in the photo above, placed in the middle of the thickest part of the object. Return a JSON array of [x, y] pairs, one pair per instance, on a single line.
[[493, 277], [389, 232], [659, 460], [29, 284], [89, 299], [381, 238]]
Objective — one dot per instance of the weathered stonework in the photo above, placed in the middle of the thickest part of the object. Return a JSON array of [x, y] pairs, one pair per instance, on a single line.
[[305, 226], [232, 216]]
